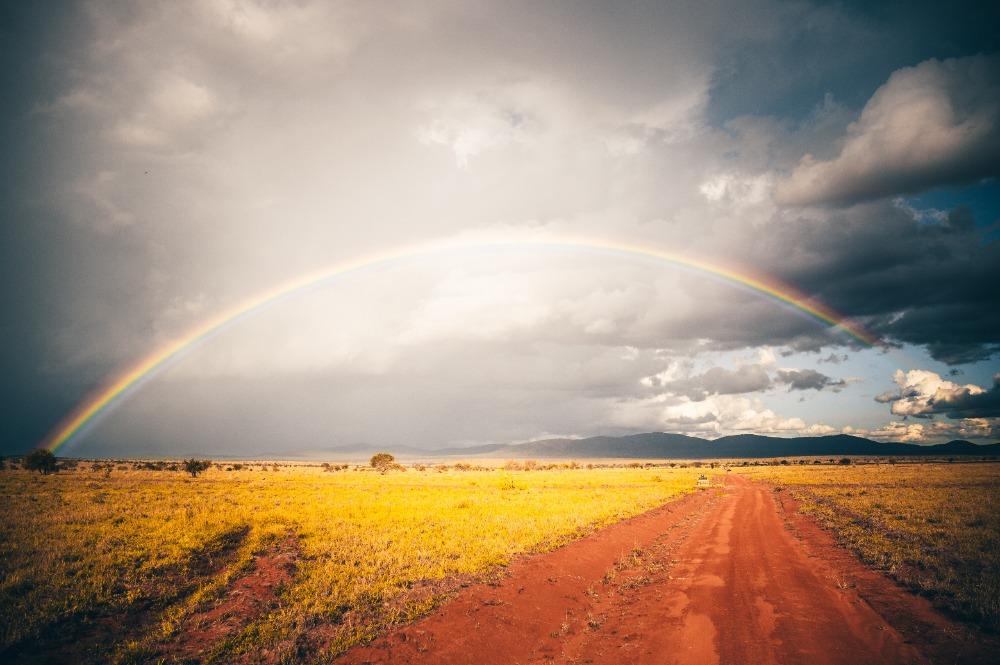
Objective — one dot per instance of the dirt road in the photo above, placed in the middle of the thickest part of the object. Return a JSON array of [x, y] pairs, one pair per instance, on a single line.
[[728, 575]]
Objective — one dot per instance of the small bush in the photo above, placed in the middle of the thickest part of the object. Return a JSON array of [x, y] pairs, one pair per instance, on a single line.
[[196, 466], [844, 460]]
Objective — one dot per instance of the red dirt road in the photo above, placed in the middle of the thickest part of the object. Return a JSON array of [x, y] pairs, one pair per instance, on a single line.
[[729, 575]]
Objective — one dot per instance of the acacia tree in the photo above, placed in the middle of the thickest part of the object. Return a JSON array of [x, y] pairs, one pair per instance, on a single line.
[[41, 460], [196, 466], [383, 462]]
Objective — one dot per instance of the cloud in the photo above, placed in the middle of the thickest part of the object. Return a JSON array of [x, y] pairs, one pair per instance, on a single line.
[[922, 394], [730, 414], [906, 280], [834, 358], [937, 123], [930, 432], [737, 190], [471, 124], [720, 381], [809, 379], [173, 108], [711, 417], [101, 199], [746, 378]]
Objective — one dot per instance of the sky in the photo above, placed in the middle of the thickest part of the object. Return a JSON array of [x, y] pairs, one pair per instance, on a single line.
[[166, 161]]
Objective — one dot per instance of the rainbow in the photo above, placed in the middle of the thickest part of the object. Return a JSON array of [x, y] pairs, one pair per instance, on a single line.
[[119, 386]]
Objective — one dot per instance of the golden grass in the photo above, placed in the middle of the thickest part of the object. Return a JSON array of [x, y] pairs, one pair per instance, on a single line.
[[934, 527], [152, 545]]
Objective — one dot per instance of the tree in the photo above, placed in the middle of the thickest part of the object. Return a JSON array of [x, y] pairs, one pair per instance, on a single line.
[[383, 462], [41, 460], [196, 466]]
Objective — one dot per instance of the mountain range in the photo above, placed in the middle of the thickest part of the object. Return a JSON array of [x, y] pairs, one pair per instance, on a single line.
[[661, 445]]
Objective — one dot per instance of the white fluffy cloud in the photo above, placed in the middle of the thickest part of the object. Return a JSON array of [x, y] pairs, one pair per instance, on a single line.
[[930, 432], [932, 124], [967, 411], [922, 393], [711, 417]]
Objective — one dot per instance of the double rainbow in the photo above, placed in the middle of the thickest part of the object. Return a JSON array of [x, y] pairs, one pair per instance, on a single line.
[[119, 386]]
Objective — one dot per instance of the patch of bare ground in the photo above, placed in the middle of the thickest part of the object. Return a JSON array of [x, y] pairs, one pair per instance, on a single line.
[[249, 597], [90, 637]]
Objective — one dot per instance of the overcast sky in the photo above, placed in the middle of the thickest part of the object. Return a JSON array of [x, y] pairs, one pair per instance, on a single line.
[[163, 161]]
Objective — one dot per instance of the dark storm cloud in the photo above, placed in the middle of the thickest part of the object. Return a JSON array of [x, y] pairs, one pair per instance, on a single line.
[[754, 78], [966, 404], [930, 284], [934, 124], [808, 379], [720, 381]]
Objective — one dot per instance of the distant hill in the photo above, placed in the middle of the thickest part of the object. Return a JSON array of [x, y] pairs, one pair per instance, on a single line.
[[660, 445]]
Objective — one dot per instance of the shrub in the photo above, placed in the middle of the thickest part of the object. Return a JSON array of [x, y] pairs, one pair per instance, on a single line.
[[196, 466], [845, 460], [382, 462], [41, 460]]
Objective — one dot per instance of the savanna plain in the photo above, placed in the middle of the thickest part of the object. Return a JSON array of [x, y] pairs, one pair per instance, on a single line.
[[132, 562]]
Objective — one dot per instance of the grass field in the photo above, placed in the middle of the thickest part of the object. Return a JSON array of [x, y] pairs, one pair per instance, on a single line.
[[933, 527], [112, 560]]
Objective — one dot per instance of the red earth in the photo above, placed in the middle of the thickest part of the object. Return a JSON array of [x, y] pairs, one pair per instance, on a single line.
[[732, 574], [249, 597]]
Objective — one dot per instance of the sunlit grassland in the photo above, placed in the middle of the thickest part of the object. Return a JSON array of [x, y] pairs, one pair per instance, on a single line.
[[934, 527], [152, 545]]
